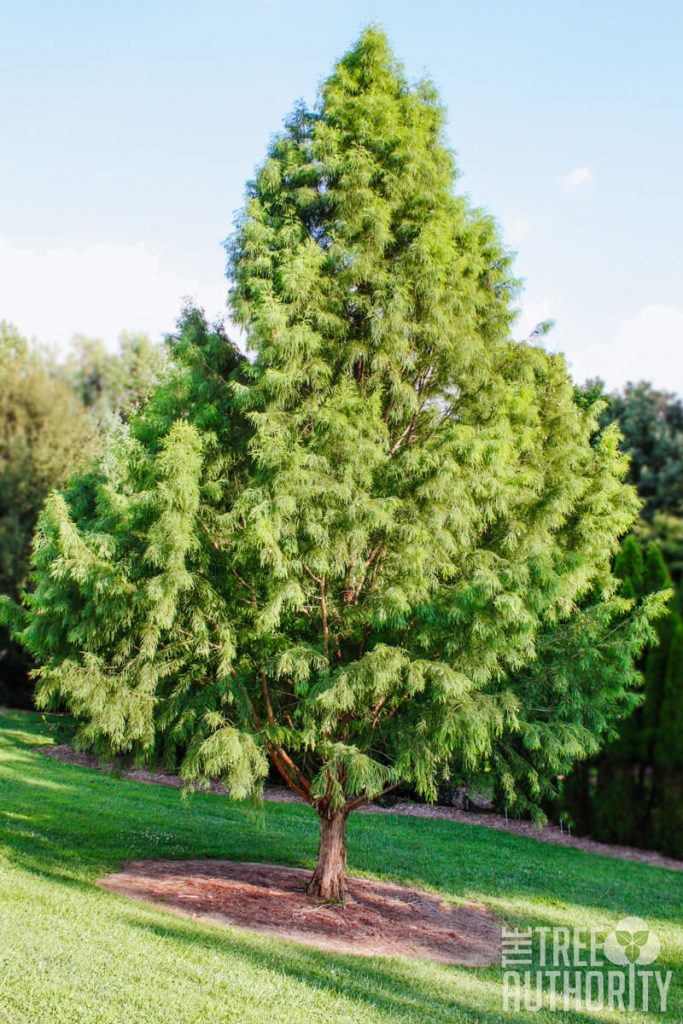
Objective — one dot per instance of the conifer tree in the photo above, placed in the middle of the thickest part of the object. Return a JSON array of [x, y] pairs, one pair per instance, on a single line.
[[629, 567], [622, 803], [668, 755], [618, 794], [45, 435], [651, 422], [333, 555], [583, 679], [656, 577]]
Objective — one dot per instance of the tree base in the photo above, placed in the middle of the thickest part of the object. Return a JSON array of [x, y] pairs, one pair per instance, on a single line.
[[378, 919], [329, 878]]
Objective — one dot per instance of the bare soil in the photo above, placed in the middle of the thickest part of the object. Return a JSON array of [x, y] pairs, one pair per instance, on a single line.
[[279, 794], [377, 918]]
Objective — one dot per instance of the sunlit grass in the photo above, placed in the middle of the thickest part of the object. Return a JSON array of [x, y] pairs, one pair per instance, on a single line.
[[70, 952]]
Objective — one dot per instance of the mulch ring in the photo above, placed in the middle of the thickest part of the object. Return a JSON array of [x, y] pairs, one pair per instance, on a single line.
[[377, 918], [279, 794]]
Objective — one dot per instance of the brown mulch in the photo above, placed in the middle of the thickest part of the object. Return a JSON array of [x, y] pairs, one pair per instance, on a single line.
[[377, 918], [278, 794]]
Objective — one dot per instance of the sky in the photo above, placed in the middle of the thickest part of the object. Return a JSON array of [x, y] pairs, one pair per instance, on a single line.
[[128, 131]]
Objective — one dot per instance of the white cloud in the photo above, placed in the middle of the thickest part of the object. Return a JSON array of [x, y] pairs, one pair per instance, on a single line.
[[579, 181], [98, 291], [647, 346]]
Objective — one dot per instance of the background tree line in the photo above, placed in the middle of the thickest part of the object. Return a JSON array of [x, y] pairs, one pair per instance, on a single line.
[[54, 417], [632, 791]]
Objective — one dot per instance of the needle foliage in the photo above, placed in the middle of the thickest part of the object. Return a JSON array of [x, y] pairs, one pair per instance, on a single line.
[[339, 553]]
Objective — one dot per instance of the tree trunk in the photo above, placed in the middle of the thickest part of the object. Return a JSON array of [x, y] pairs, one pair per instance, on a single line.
[[329, 877]]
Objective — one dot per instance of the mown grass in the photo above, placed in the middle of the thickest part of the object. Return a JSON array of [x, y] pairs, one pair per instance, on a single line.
[[70, 952]]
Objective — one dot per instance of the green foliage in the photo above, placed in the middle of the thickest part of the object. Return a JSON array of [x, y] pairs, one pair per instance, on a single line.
[[629, 793], [53, 416], [666, 531], [668, 754], [629, 567], [632, 792], [669, 740], [45, 435], [348, 552], [641, 740], [656, 575], [584, 680], [115, 382], [651, 423]]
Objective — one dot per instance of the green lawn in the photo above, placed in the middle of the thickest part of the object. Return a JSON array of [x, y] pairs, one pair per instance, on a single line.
[[72, 952]]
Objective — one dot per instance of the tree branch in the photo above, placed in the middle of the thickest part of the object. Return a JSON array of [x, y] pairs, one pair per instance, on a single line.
[[266, 698], [294, 786], [326, 627], [352, 805]]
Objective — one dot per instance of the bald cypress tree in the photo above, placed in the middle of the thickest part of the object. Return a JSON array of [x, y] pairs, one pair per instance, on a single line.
[[333, 555]]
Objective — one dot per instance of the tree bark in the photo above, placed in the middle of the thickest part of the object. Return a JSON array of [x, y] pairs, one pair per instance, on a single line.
[[329, 877]]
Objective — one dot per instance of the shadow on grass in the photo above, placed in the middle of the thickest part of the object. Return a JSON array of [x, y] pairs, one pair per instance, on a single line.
[[76, 815], [397, 986], [378, 982], [70, 825]]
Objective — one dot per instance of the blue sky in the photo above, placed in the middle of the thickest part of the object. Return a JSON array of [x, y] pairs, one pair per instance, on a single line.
[[128, 130]]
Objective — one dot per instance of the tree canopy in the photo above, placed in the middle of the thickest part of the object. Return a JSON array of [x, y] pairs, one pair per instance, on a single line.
[[339, 553]]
